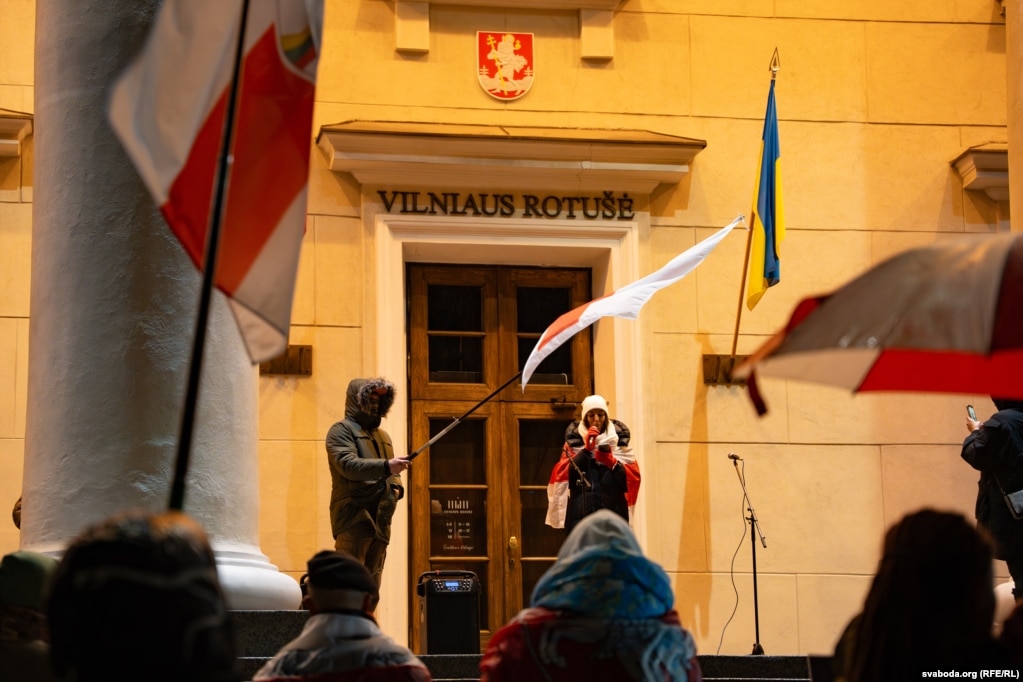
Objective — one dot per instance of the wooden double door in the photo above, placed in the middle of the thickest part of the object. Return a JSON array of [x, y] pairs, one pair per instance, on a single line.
[[478, 496]]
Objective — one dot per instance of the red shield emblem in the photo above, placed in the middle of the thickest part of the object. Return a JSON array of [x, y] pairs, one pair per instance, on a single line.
[[504, 63]]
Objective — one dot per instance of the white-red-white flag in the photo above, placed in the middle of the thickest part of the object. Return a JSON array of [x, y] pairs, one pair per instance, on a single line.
[[625, 302], [168, 109]]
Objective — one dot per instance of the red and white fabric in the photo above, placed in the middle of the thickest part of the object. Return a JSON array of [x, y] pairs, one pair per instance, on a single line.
[[557, 486], [625, 302], [169, 109]]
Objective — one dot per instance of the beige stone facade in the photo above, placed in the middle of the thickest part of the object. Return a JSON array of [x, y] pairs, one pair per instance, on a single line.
[[875, 100]]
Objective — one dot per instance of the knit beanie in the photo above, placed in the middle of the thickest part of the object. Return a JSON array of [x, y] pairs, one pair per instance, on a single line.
[[339, 571], [595, 402]]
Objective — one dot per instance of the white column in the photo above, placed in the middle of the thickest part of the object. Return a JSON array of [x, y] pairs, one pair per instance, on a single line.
[[113, 307], [1014, 105]]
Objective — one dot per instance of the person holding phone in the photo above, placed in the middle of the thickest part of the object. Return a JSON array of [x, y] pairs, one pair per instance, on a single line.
[[597, 469], [995, 449]]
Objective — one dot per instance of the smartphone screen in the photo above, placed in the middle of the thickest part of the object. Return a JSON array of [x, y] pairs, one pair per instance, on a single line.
[[969, 411]]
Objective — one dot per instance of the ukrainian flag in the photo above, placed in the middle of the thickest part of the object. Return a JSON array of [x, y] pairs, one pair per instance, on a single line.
[[768, 212]]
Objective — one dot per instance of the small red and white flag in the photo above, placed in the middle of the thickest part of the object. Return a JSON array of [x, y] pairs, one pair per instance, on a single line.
[[625, 302], [169, 108]]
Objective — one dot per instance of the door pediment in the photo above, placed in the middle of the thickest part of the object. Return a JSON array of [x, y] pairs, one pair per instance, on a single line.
[[453, 156]]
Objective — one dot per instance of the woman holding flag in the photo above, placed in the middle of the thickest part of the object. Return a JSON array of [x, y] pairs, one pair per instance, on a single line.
[[597, 469]]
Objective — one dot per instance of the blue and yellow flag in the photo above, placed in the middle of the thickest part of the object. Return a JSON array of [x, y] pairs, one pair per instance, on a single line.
[[768, 212]]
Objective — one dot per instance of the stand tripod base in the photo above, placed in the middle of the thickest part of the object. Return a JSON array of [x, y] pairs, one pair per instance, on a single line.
[[757, 649]]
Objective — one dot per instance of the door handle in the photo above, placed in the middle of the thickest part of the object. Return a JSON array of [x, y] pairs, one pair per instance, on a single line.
[[513, 546]]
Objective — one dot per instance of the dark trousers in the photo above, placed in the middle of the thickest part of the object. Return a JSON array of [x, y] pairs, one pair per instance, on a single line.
[[362, 543]]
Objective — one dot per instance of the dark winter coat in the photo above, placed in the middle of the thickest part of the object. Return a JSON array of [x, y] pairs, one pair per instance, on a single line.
[[607, 487], [996, 451], [363, 489]]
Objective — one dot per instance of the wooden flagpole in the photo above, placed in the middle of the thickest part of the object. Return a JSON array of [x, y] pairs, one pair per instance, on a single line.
[[717, 369], [742, 291], [177, 496], [775, 65]]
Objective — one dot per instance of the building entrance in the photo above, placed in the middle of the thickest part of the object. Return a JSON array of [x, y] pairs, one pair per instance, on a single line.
[[478, 496]]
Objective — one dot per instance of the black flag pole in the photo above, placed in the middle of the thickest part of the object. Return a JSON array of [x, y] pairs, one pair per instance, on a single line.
[[458, 420], [177, 496]]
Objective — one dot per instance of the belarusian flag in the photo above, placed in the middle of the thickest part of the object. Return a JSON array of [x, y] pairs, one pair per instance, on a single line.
[[169, 109], [625, 302]]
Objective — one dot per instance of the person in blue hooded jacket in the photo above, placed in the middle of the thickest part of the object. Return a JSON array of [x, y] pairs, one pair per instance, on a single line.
[[603, 611]]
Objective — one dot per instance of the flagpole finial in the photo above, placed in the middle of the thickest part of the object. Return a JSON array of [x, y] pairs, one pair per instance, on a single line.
[[775, 64]]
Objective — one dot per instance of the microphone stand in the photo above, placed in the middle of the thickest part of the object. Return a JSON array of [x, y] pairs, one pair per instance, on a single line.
[[754, 525]]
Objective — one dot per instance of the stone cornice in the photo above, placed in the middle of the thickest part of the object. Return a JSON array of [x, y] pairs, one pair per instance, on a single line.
[[15, 126], [596, 22], [985, 168], [491, 158]]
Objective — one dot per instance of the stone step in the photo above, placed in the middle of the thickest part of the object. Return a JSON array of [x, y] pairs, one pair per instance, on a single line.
[[443, 668], [260, 634], [754, 667], [745, 669]]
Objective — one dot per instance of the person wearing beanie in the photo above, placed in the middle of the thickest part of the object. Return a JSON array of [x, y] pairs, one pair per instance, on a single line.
[[597, 469], [995, 449], [341, 640], [365, 482]]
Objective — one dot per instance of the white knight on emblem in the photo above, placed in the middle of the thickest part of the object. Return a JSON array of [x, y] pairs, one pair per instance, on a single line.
[[505, 68]]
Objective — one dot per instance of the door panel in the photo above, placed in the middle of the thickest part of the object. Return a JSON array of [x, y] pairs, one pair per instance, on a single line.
[[452, 485], [539, 435], [478, 495], [453, 333]]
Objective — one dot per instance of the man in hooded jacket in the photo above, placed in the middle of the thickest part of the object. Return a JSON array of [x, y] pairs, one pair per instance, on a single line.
[[364, 474]]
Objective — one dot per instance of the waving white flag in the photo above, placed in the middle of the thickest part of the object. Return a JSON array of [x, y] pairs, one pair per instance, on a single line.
[[625, 302]]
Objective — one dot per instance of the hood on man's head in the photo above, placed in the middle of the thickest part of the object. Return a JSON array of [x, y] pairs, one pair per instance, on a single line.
[[359, 391]]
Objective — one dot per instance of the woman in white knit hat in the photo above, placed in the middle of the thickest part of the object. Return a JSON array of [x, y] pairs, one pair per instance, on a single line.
[[597, 469]]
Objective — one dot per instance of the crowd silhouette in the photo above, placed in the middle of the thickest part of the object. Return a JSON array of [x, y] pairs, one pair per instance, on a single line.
[[136, 596]]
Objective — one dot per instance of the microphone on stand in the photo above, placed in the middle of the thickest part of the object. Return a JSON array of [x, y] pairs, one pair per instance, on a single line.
[[754, 526]]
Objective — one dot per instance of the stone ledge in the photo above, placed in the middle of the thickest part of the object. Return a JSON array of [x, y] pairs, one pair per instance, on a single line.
[[259, 634]]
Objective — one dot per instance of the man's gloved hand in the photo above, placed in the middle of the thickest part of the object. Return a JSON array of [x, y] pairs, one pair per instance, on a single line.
[[591, 438], [603, 456]]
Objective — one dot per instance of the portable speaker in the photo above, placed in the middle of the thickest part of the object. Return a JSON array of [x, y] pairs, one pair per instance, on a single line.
[[449, 612]]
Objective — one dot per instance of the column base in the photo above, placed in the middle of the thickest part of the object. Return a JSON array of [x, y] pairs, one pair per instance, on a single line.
[[251, 583]]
